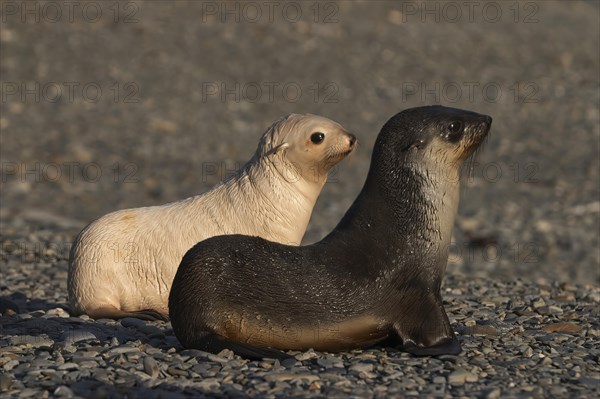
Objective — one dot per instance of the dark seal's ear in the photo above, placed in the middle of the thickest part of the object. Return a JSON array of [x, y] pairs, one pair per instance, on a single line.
[[406, 130], [418, 144]]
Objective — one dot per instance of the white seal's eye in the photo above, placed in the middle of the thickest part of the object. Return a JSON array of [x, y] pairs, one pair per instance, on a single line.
[[317, 138]]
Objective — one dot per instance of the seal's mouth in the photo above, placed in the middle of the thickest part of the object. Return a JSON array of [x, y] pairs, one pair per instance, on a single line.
[[477, 136], [337, 154]]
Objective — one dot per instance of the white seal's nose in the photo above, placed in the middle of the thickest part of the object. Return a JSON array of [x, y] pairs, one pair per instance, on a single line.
[[352, 139]]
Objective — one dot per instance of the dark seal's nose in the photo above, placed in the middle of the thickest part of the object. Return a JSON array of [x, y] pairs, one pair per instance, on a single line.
[[488, 120], [484, 122]]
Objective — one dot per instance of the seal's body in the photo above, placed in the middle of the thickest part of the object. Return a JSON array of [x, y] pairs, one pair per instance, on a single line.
[[122, 265], [376, 276]]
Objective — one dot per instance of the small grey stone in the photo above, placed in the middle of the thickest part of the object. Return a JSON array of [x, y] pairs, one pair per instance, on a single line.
[[290, 376], [34, 341], [86, 364], [457, 377], [68, 366], [208, 383], [555, 310], [287, 363], [73, 336], [361, 367], [194, 353], [29, 393], [5, 382], [492, 393], [10, 365], [64, 391], [439, 380], [177, 372], [215, 358], [151, 366], [306, 355], [448, 358], [121, 350], [226, 354], [60, 312], [325, 362]]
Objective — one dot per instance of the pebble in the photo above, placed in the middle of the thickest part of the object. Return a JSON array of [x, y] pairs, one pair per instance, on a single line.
[[361, 367], [289, 376], [68, 366], [208, 383], [151, 366], [5, 382], [492, 393], [71, 337], [562, 327], [34, 341], [460, 376], [439, 380], [64, 391]]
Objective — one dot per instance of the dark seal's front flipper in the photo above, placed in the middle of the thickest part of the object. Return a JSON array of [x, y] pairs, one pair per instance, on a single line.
[[449, 346], [215, 343], [425, 330]]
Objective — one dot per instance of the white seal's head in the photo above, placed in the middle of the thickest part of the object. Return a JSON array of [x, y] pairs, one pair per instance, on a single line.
[[305, 147]]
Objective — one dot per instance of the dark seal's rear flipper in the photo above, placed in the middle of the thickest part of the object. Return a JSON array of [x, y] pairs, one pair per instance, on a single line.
[[425, 329], [215, 343]]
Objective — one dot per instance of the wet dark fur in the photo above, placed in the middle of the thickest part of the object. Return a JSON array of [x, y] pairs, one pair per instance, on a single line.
[[379, 271]]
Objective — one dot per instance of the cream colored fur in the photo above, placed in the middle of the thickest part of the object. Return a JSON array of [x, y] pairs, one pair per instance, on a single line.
[[125, 261]]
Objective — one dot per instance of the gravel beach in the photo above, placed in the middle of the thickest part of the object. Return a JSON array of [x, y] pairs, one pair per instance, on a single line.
[[108, 105]]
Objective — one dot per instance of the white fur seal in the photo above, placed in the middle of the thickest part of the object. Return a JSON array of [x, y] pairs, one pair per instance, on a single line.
[[123, 264]]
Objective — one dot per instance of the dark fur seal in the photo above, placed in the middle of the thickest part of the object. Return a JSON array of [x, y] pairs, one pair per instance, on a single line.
[[375, 277]]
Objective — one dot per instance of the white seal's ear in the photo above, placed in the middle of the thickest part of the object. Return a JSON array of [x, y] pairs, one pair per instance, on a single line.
[[279, 148]]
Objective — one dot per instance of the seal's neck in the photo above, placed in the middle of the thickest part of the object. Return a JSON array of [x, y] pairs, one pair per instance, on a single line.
[[283, 198], [405, 214]]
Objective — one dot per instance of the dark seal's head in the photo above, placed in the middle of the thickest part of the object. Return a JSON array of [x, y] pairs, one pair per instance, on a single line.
[[434, 133], [458, 131]]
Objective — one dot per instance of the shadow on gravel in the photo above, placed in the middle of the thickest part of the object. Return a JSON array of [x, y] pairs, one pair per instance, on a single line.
[[19, 303], [54, 328], [63, 333], [101, 389]]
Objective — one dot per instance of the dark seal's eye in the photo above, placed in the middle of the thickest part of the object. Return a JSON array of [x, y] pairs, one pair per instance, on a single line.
[[455, 130], [317, 138]]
